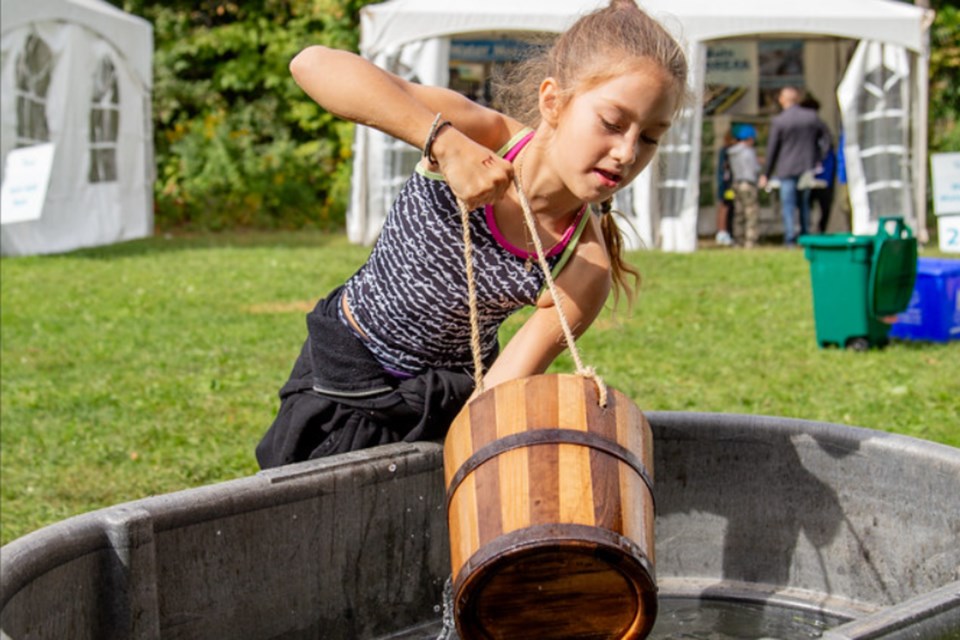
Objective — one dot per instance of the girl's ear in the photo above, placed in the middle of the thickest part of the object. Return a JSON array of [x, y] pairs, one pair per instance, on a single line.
[[550, 101]]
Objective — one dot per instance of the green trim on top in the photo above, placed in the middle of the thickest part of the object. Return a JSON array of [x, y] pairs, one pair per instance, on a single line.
[[426, 173], [502, 151], [570, 248]]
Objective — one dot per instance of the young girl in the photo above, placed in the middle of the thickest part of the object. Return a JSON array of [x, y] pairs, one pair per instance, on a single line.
[[388, 354]]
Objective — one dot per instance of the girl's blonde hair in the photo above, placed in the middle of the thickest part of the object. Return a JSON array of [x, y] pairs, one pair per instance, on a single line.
[[598, 47]]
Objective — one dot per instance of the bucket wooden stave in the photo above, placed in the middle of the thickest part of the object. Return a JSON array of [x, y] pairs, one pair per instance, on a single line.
[[551, 515]]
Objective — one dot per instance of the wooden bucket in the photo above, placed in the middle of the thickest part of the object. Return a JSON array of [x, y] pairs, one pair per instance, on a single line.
[[551, 515]]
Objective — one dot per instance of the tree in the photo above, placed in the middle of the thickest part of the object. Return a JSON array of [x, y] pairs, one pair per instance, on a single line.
[[238, 144]]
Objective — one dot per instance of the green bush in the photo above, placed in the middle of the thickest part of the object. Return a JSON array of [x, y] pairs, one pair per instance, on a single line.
[[945, 79], [238, 143]]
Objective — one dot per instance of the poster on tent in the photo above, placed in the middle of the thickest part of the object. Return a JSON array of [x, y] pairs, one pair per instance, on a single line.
[[730, 83], [474, 62], [25, 178], [780, 64]]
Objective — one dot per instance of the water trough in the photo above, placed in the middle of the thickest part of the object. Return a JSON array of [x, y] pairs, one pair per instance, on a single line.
[[857, 528]]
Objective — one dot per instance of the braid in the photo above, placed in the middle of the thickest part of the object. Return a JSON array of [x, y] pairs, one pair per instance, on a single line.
[[620, 269]]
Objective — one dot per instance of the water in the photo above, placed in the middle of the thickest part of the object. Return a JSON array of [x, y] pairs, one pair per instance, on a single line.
[[449, 629], [683, 619], [689, 619]]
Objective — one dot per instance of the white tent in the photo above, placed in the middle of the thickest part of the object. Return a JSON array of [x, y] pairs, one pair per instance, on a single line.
[[77, 74], [411, 37]]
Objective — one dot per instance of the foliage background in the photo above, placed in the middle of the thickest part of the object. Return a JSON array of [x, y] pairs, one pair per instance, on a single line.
[[239, 145], [945, 77]]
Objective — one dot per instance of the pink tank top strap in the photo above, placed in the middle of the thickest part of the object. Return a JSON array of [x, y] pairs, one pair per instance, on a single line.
[[514, 151], [556, 249]]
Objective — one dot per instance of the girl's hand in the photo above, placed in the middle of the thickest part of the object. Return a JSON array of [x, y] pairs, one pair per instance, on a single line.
[[476, 174]]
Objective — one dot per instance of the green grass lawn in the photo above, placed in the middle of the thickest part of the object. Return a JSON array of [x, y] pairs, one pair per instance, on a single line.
[[153, 366]]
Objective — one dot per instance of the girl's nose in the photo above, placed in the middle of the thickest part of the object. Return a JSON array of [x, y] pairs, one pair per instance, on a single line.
[[625, 152]]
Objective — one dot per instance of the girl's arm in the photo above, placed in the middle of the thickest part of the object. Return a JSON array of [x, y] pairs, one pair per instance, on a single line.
[[584, 285], [355, 89]]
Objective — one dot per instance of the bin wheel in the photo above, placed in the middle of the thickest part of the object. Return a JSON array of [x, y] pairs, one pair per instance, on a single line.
[[858, 344]]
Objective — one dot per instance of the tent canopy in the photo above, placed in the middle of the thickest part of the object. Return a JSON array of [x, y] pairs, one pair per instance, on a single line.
[[388, 26], [663, 205]]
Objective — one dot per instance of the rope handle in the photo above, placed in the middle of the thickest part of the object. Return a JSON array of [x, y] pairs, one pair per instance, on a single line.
[[471, 296], [587, 372]]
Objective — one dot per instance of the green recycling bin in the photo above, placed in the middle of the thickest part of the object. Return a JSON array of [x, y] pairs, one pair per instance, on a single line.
[[860, 283]]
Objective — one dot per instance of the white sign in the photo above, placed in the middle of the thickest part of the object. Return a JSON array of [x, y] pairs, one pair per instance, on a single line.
[[946, 183], [948, 228], [25, 179], [732, 63]]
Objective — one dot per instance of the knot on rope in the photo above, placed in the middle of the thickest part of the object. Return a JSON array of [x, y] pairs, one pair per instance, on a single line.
[[591, 373]]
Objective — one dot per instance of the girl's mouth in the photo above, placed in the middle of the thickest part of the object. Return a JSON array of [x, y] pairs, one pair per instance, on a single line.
[[607, 178]]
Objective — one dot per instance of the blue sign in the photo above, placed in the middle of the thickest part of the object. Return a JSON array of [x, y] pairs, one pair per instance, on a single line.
[[488, 50]]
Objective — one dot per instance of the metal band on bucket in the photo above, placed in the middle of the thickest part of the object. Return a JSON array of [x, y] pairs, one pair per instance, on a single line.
[[548, 436], [618, 551]]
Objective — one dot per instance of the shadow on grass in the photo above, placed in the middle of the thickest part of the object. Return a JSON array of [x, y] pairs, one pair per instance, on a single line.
[[896, 344], [920, 345], [166, 243]]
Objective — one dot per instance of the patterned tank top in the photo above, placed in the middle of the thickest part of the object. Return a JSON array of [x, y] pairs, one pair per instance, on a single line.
[[410, 297]]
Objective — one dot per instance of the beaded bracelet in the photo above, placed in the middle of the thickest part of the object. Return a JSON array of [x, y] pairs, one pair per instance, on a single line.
[[435, 129]]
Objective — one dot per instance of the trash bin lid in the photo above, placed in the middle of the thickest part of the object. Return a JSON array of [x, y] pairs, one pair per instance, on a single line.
[[835, 240], [892, 274]]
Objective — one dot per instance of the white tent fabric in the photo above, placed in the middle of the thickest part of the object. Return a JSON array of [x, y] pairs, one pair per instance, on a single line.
[[875, 100], [665, 206], [389, 25], [89, 95]]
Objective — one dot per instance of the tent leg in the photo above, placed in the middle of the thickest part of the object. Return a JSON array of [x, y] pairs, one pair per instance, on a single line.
[[921, 73]]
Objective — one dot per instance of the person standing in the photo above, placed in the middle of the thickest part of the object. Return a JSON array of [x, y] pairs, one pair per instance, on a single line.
[[745, 169], [725, 194], [823, 187], [797, 141], [823, 180]]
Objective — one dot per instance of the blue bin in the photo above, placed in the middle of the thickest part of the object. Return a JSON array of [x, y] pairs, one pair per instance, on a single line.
[[934, 311]]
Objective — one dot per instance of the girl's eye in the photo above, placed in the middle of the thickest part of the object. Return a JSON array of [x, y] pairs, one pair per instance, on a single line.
[[610, 126], [649, 140]]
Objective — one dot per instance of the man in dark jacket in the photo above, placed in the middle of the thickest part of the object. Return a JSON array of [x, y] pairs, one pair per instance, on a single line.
[[796, 145]]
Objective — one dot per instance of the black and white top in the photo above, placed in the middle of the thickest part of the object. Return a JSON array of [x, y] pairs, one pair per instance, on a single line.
[[410, 297]]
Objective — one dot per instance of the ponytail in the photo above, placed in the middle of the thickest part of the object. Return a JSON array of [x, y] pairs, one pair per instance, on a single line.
[[620, 270]]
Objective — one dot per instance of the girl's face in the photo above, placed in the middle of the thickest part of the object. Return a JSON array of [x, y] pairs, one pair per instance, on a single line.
[[604, 136]]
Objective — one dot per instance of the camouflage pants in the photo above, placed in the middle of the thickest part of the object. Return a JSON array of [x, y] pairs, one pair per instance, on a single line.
[[747, 214]]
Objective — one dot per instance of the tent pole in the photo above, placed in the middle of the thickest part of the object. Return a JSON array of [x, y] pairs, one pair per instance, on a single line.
[[921, 73]]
